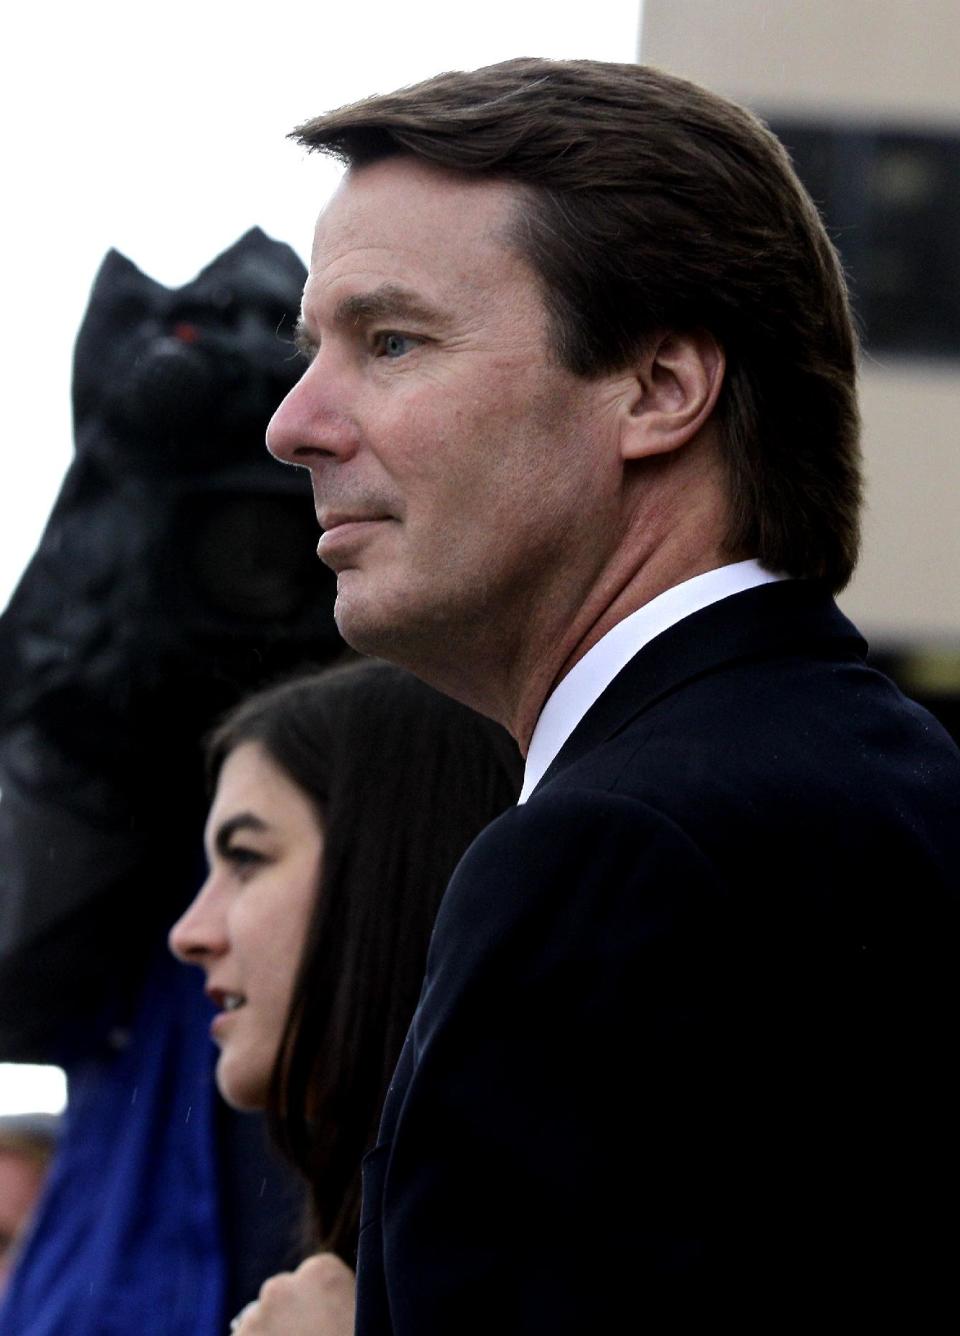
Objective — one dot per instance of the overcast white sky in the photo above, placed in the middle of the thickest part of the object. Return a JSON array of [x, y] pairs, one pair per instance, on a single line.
[[160, 130]]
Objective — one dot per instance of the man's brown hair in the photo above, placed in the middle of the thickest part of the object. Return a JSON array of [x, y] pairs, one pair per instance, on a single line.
[[651, 205]]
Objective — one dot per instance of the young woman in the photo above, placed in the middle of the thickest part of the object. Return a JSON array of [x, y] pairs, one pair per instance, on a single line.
[[343, 802]]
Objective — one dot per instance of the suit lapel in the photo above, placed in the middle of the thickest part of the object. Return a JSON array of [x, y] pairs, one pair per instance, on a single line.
[[771, 619]]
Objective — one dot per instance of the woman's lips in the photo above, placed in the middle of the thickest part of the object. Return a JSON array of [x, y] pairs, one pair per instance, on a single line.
[[228, 1004]]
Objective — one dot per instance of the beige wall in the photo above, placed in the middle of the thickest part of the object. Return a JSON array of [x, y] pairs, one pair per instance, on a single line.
[[908, 584], [864, 59]]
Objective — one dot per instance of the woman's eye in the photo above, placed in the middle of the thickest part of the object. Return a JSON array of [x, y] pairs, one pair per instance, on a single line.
[[390, 344], [243, 860]]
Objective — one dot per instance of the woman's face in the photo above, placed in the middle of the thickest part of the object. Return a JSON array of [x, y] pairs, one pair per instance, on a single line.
[[247, 925]]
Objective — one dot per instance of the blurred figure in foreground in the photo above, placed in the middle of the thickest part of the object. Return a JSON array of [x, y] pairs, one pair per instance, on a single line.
[[27, 1143], [343, 803]]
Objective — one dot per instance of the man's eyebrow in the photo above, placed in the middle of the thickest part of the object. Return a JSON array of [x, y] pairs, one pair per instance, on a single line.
[[242, 821], [387, 302]]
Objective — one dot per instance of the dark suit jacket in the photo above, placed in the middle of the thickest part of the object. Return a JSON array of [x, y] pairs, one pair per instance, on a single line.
[[687, 1042]]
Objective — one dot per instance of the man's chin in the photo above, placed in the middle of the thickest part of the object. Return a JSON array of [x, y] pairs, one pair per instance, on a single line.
[[359, 618], [383, 627], [366, 630]]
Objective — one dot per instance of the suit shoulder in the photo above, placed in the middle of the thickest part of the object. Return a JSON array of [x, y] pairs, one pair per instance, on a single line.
[[828, 756], [574, 860], [580, 823]]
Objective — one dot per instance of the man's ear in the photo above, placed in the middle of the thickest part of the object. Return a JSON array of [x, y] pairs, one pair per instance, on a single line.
[[675, 386]]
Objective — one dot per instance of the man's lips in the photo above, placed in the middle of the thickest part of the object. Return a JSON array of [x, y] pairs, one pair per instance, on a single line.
[[332, 518], [341, 531]]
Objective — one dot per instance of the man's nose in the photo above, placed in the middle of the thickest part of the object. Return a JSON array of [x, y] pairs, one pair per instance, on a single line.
[[309, 426]]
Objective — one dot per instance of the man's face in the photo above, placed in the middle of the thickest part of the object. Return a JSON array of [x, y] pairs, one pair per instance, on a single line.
[[464, 481]]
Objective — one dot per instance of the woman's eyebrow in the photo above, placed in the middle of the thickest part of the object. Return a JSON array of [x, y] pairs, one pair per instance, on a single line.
[[242, 821]]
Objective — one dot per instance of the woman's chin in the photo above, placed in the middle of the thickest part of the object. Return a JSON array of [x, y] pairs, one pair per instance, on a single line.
[[243, 1091]]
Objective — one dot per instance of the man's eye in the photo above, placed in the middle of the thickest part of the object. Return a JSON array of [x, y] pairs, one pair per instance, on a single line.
[[388, 343]]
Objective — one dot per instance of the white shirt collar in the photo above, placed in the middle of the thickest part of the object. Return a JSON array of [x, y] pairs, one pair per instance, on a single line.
[[588, 678]]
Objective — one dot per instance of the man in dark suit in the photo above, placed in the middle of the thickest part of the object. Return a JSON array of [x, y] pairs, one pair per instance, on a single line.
[[581, 420]]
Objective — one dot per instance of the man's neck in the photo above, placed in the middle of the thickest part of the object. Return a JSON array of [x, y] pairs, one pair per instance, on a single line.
[[598, 616], [573, 696]]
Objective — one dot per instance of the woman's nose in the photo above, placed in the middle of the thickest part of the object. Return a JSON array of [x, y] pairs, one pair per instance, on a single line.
[[200, 932]]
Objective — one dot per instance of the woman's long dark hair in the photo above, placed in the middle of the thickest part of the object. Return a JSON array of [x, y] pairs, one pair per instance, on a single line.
[[403, 779]]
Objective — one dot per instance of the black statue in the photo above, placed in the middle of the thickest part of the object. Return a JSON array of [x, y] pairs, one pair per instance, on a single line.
[[176, 572]]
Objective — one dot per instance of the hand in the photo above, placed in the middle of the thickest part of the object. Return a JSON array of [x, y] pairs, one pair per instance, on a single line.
[[318, 1299]]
